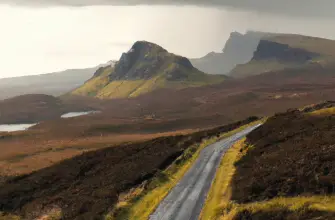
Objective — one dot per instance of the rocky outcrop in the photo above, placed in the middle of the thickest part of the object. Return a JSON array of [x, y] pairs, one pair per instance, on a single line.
[[269, 50], [146, 59]]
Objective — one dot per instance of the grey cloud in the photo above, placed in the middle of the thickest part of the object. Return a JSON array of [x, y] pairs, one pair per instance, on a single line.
[[314, 8]]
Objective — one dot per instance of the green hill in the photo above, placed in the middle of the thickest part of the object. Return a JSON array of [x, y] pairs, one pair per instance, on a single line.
[[144, 68]]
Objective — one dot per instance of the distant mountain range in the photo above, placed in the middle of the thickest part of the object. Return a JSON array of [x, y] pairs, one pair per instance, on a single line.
[[55, 84], [255, 53], [145, 68]]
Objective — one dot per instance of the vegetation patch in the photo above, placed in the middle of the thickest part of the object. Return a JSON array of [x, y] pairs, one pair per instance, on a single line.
[[4, 216], [322, 112], [218, 198]]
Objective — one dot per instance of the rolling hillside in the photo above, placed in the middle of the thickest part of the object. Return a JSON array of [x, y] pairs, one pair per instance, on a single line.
[[88, 185], [282, 170], [144, 68], [286, 52], [37, 107]]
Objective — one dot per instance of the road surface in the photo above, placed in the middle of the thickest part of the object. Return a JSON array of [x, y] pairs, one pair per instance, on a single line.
[[186, 199]]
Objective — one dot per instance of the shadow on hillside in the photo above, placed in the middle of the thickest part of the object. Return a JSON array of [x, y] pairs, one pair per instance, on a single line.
[[292, 154]]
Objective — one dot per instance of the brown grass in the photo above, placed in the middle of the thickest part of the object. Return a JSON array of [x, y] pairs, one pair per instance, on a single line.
[[24, 155], [282, 170], [292, 154], [87, 185]]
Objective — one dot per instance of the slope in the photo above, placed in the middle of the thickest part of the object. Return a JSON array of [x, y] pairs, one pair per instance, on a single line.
[[282, 170], [36, 107], [144, 68], [285, 52], [88, 185]]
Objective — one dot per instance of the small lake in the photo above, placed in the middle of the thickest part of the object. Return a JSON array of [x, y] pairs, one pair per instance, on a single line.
[[15, 127], [76, 114], [22, 127]]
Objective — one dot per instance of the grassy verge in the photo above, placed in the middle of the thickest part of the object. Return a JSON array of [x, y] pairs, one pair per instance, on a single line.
[[139, 203], [219, 195]]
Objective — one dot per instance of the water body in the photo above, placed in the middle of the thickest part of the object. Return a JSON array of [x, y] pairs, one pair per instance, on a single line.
[[15, 127], [76, 114]]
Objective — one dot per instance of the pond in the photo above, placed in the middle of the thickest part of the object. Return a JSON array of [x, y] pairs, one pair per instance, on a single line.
[[22, 127], [76, 114], [15, 127]]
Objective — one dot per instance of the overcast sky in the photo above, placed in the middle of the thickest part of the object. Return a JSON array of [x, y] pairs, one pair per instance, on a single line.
[[38, 38], [288, 7]]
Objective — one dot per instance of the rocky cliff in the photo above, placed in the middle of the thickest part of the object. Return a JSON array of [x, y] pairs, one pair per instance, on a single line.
[[238, 49]]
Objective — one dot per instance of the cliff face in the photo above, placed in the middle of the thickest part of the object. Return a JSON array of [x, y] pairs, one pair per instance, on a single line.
[[268, 50], [238, 49]]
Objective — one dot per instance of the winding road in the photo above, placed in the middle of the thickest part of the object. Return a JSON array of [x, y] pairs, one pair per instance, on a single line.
[[186, 199]]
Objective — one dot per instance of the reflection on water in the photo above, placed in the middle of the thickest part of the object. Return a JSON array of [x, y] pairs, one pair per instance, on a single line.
[[76, 114], [15, 127]]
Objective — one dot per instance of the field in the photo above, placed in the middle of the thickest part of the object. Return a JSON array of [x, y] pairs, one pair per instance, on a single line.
[[24, 152]]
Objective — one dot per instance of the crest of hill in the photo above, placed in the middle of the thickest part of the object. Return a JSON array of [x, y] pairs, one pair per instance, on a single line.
[[144, 68], [279, 52]]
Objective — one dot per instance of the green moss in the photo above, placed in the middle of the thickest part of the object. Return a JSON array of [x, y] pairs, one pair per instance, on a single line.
[[91, 87]]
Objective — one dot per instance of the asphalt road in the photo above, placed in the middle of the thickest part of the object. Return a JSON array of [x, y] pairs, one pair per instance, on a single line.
[[186, 199]]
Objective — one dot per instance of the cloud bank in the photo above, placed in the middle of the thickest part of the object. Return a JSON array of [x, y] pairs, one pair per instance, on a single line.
[[305, 8]]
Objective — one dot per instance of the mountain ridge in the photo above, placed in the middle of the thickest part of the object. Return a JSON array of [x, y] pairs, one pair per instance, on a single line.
[[238, 49], [287, 51]]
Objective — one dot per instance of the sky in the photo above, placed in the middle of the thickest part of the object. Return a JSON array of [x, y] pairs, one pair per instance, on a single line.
[[47, 36]]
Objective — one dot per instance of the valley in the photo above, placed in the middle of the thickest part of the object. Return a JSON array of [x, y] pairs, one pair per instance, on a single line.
[[152, 137]]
